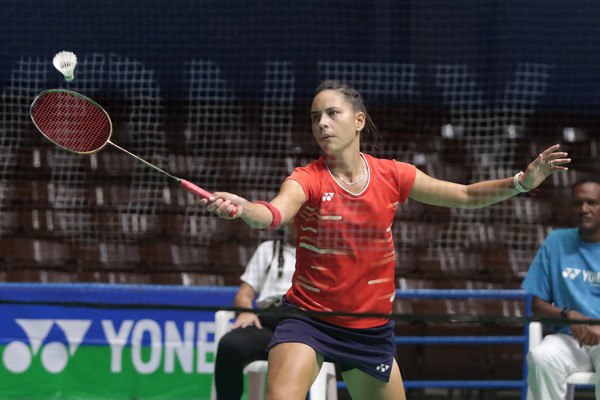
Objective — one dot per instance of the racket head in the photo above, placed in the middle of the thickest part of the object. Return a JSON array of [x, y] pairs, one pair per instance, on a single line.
[[71, 120]]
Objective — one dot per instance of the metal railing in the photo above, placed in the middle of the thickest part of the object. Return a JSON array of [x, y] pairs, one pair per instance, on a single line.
[[523, 339]]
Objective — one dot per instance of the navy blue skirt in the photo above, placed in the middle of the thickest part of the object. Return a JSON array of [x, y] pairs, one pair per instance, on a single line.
[[370, 350]]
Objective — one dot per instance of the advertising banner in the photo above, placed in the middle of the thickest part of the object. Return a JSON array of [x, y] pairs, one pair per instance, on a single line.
[[86, 341]]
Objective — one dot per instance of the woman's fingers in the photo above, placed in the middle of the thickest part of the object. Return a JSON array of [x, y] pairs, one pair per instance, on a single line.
[[553, 160], [556, 160], [224, 205]]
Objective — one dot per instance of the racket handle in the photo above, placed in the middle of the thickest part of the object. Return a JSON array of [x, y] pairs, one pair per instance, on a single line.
[[194, 189], [199, 192]]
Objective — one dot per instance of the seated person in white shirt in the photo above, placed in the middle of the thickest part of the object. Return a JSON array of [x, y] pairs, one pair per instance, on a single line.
[[268, 275]]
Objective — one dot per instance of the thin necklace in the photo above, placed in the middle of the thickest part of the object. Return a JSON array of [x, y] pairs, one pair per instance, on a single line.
[[362, 177]]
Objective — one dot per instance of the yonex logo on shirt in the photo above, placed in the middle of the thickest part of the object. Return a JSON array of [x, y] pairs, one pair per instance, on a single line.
[[571, 273], [382, 367], [327, 196]]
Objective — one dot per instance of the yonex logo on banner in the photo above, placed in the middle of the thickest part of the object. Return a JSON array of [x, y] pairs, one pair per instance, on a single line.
[[18, 356], [571, 273], [151, 345]]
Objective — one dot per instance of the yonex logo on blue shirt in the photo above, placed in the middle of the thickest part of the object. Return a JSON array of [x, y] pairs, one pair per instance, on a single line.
[[571, 273], [591, 277]]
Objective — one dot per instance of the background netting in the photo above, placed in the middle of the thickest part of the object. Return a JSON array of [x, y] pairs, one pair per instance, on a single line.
[[219, 93]]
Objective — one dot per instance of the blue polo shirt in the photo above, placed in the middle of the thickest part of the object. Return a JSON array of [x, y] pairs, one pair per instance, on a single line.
[[566, 272]]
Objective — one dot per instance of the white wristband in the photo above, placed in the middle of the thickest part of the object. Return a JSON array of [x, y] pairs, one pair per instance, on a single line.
[[518, 185]]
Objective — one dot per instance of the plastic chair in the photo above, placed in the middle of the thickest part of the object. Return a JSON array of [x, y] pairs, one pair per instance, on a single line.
[[577, 378], [323, 388]]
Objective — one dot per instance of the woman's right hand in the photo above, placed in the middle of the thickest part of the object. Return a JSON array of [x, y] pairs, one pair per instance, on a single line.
[[225, 205]]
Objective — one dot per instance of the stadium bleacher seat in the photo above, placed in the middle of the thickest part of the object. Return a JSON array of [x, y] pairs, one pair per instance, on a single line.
[[34, 253]]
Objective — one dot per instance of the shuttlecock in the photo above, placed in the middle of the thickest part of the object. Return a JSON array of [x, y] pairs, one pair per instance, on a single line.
[[65, 62]]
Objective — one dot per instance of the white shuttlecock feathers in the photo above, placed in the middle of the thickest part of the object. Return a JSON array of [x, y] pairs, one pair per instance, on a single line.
[[65, 62]]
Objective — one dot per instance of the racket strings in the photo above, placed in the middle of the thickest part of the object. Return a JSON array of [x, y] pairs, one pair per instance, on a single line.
[[72, 122]]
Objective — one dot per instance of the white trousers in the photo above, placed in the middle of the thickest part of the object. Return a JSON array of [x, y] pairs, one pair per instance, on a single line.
[[555, 358]]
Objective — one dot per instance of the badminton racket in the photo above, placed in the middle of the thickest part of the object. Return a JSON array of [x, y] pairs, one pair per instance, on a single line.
[[78, 124]]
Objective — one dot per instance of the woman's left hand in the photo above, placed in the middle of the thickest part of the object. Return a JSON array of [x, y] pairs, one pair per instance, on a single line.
[[548, 162]]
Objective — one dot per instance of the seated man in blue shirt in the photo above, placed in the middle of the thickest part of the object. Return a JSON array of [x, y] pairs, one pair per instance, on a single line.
[[564, 279]]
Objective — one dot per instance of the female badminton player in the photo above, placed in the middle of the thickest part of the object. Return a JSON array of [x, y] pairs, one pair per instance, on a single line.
[[343, 205]]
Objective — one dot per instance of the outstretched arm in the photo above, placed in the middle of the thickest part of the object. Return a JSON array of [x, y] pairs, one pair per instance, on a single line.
[[442, 193], [287, 202]]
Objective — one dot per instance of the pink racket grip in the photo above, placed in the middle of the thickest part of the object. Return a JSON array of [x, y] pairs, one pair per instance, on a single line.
[[199, 192]]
